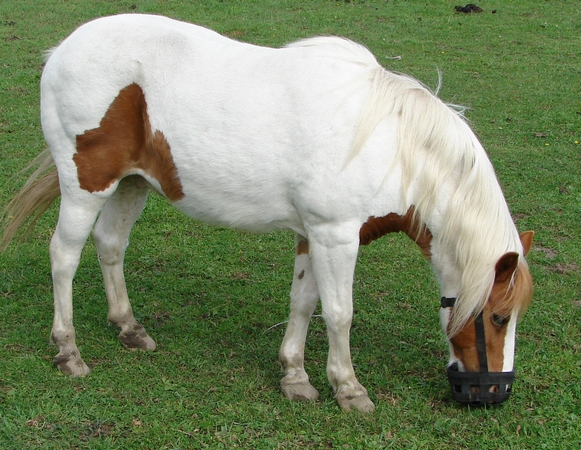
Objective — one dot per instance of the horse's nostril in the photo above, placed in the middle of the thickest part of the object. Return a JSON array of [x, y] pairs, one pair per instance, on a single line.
[[454, 367], [495, 389]]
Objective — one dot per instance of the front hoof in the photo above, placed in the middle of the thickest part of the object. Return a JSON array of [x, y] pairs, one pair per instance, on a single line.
[[299, 392], [355, 400], [137, 338], [71, 365]]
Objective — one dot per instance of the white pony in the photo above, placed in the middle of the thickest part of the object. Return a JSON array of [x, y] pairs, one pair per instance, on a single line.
[[315, 137]]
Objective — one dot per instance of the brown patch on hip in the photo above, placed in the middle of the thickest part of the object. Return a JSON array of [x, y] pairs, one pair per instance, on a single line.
[[376, 227], [124, 143]]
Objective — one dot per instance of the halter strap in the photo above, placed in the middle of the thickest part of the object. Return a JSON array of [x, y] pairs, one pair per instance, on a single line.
[[481, 343], [448, 302]]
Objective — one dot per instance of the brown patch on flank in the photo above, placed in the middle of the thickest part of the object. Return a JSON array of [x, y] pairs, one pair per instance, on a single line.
[[303, 247], [376, 227], [124, 143], [302, 274]]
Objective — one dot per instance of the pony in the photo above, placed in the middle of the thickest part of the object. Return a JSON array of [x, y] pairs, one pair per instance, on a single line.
[[316, 137]]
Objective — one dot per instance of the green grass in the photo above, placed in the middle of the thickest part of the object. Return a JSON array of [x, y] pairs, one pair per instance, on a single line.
[[209, 296]]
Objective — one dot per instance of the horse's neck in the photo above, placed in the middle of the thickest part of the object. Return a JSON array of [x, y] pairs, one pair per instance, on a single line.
[[471, 231]]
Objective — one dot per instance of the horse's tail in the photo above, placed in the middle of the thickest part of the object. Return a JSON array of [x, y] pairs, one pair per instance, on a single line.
[[35, 197]]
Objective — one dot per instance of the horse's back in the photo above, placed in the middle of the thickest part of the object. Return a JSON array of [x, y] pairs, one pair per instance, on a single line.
[[157, 53]]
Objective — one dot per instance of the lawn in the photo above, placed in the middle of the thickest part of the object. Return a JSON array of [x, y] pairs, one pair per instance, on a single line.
[[215, 299]]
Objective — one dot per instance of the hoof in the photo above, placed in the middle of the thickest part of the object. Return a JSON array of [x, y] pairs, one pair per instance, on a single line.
[[351, 399], [71, 365], [137, 338], [299, 392]]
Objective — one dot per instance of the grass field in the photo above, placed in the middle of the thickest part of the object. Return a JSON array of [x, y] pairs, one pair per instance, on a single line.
[[210, 297]]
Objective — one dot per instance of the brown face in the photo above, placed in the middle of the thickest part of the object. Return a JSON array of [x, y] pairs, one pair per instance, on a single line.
[[510, 295], [496, 330]]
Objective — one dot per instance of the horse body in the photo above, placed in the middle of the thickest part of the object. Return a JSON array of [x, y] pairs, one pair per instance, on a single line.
[[315, 137], [252, 130]]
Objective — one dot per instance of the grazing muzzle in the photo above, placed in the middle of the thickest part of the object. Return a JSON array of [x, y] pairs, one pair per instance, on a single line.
[[478, 388]]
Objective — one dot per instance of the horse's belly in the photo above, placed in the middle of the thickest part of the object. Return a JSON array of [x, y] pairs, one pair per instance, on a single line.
[[249, 207]]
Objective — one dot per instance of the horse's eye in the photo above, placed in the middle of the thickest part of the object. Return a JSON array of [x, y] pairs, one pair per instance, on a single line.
[[500, 321]]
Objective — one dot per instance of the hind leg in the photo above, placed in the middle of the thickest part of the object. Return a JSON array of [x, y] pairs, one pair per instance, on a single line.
[[111, 236], [76, 218], [304, 297]]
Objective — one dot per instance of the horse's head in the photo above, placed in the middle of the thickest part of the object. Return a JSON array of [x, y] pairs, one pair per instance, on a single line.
[[480, 370]]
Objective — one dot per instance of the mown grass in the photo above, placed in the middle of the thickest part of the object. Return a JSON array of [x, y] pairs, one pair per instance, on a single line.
[[210, 296]]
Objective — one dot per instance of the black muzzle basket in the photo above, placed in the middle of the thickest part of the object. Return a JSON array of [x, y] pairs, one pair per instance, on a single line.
[[478, 388]]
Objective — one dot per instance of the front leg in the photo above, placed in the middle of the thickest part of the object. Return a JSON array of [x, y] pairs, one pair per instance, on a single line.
[[304, 297], [334, 266]]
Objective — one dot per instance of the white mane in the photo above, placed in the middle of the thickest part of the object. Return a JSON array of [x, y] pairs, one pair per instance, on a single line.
[[339, 47], [477, 227]]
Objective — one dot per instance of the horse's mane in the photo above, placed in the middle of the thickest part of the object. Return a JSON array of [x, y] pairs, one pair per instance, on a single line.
[[339, 48], [477, 226]]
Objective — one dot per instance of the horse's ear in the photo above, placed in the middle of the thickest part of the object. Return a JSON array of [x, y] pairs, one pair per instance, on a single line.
[[526, 239], [506, 266]]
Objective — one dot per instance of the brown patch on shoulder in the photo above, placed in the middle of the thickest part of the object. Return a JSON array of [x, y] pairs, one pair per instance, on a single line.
[[303, 247], [123, 143], [376, 227]]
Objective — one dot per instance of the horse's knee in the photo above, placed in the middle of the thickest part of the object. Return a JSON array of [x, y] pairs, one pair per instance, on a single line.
[[338, 321], [109, 248]]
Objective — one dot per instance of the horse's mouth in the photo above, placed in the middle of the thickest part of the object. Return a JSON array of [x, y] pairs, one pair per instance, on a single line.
[[479, 388]]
